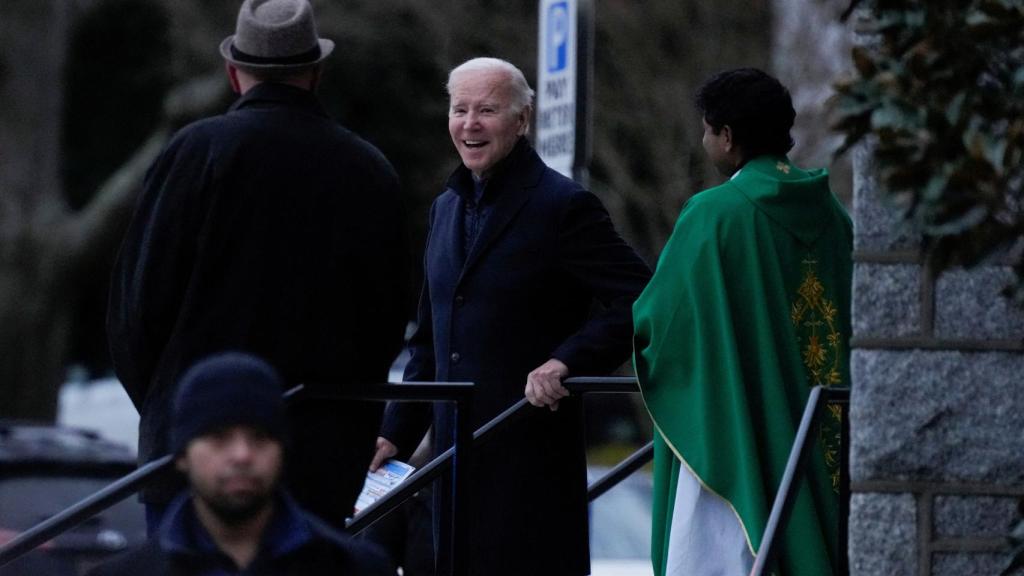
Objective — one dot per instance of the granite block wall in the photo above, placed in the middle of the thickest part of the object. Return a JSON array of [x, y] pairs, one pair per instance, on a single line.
[[937, 409]]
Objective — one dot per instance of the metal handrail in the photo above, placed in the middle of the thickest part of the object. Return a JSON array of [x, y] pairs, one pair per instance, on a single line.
[[785, 495], [600, 384], [92, 504], [86, 508], [634, 462], [460, 393], [431, 471], [439, 465]]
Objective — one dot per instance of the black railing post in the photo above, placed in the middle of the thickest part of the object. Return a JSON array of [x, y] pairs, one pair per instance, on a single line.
[[461, 487], [784, 496], [844, 485], [432, 470], [786, 493]]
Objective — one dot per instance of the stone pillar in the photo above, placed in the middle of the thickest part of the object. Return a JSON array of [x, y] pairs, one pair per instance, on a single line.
[[810, 51], [937, 414]]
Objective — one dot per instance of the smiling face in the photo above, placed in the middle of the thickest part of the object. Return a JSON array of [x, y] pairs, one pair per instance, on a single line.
[[483, 120]]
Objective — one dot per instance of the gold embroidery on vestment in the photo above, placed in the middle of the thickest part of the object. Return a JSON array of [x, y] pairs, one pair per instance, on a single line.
[[815, 319]]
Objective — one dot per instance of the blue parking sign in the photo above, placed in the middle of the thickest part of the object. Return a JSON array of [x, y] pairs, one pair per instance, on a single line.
[[556, 108], [557, 36]]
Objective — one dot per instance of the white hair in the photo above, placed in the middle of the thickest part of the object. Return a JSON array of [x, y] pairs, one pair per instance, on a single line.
[[522, 94]]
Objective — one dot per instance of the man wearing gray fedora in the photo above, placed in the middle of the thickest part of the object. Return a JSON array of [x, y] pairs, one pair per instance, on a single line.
[[272, 230]]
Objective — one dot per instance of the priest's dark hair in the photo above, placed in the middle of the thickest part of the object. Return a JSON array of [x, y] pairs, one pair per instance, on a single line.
[[756, 107]]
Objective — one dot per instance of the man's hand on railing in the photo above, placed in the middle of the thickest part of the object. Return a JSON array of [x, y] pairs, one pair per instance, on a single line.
[[544, 384], [385, 450]]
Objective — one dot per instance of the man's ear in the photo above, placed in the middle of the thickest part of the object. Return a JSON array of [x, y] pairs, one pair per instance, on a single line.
[[524, 120], [728, 142], [233, 77]]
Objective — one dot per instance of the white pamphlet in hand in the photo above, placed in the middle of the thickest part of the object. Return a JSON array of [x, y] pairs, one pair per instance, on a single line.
[[390, 474]]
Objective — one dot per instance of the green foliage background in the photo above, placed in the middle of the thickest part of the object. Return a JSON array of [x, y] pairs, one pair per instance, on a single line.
[[939, 91]]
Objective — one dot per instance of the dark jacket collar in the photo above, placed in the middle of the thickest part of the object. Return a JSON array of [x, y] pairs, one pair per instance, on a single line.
[[509, 188], [180, 531], [507, 171], [267, 94]]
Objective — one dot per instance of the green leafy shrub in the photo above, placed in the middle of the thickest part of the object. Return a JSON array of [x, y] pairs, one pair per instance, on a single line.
[[939, 90]]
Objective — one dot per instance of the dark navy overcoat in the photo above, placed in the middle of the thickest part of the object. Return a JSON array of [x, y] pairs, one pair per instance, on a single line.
[[269, 229], [547, 277]]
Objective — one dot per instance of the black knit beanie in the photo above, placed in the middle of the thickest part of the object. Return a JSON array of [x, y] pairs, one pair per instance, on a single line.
[[227, 389]]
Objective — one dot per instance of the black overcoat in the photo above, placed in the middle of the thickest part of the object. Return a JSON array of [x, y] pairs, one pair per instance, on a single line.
[[273, 230], [547, 277]]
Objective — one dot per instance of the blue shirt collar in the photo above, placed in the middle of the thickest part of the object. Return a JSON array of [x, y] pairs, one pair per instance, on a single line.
[[181, 532]]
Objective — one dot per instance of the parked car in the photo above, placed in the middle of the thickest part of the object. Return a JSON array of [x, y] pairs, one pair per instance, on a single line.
[[45, 469]]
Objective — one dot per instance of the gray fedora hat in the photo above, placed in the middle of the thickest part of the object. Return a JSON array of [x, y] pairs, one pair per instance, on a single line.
[[275, 34]]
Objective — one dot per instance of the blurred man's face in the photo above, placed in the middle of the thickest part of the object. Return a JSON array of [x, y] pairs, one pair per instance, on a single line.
[[481, 120], [234, 471], [720, 149]]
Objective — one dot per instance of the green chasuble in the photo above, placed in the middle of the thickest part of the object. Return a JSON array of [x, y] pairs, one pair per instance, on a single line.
[[748, 309]]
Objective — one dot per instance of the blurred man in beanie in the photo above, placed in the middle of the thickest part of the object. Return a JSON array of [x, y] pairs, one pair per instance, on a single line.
[[273, 230], [228, 432]]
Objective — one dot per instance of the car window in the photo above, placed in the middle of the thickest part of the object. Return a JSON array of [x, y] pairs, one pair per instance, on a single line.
[[27, 500]]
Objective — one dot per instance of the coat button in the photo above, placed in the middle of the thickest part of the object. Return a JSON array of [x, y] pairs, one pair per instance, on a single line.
[[460, 300], [455, 357]]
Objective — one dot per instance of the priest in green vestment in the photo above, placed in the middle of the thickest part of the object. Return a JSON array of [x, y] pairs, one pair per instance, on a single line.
[[748, 309]]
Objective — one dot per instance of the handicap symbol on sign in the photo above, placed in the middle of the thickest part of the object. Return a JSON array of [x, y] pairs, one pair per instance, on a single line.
[[558, 36]]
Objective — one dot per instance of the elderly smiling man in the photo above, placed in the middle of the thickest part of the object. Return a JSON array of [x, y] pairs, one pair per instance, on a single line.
[[526, 283]]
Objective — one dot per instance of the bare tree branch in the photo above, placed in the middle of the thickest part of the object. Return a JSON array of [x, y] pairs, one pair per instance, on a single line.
[[95, 230]]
